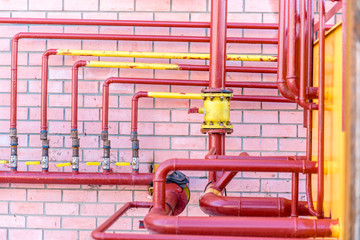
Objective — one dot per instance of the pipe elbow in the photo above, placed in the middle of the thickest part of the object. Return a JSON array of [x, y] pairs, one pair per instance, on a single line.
[[16, 37], [108, 81], [49, 52], [138, 95], [78, 64], [156, 222], [212, 204], [284, 90]]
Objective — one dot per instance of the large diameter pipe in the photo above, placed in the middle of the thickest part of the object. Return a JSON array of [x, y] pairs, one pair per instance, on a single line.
[[101, 234], [215, 205], [135, 23], [241, 226], [76, 178]]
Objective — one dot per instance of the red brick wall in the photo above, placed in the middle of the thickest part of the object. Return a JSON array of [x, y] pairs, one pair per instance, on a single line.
[[40, 211]]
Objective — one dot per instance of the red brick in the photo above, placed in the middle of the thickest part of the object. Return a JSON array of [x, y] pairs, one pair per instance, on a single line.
[[60, 234], [279, 130], [275, 185], [25, 234], [115, 197], [260, 144], [261, 117], [171, 129], [159, 5], [79, 196], [12, 194], [97, 209], [12, 221], [188, 5], [61, 209], [154, 142], [44, 195], [291, 117], [110, 5], [13, 5], [26, 208], [262, 6], [187, 143], [43, 222], [78, 223], [45, 5], [292, 144]]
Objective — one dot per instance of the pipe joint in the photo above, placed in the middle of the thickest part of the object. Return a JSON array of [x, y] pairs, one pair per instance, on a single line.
[[45, 162], [43, 135], [75, 163], [104, 135]]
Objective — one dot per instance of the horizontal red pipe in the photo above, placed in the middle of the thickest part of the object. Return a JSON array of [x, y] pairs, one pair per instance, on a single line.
[[250, 158], [76, 178], [239, 226], [215, 205], [118, 37], [260, 99], [229, 68], [99, 233], [187, 82], [136, 23]]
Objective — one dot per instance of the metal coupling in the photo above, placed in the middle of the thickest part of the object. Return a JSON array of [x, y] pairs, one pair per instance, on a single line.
[[104, 135], [43, 135], [75, 163], [217, 110], [13, 161], [135, 164], [106, 164], [133, 136], [45, 162]]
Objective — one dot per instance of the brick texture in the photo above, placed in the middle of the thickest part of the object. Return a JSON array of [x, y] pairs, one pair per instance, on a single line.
[[166, 129]]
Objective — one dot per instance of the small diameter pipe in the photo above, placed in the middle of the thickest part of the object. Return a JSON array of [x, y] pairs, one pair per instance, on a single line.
[[163, 55], [134, 23], [231, 226], [76, 178]]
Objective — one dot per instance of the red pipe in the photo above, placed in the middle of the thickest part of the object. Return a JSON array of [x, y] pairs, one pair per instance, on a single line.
[[229, 69], [135, 23], [292, 76], [305, 52], [321, 130], [107, 82], [218, 43], [215, 205], [74, 92], [100, 232], [17, 37], [134, 109], [232, 226], [282, 52], [104, 178], [225, 157]]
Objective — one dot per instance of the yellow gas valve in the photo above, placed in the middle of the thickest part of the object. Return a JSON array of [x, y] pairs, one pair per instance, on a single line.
[[217, 111]]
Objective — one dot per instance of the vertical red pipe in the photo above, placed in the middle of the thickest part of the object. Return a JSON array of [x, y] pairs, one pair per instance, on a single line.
[[218, 43], [14, 61], [295, 195], [320, 197], [74, 93]]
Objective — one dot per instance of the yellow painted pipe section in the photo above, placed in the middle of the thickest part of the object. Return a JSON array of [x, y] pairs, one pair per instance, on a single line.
[[93, 163], [175, 95], [63, 164], [3, 162], [122, 164], [194, 56], [32, 163], [159, 66]]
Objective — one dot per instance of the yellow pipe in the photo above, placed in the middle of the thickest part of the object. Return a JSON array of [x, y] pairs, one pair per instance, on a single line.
[[93, 163], [122, 164], [195, 56], [32, 163], [175, 95], [106, 64], [3, 161], [63, 164]]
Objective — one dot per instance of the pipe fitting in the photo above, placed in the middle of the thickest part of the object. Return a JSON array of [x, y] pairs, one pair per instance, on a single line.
[[106, 157], [75, 163], [104, 135]]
